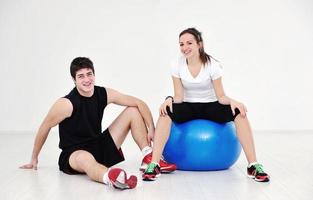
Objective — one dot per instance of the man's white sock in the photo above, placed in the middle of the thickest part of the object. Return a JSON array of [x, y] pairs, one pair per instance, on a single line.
[[105, 177], [146, 150], [120, 178]]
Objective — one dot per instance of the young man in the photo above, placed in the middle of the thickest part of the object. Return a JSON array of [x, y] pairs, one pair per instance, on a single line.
[[85, 148]]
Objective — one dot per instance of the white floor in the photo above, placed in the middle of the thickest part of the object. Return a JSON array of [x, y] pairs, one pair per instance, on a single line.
[[288, 157]]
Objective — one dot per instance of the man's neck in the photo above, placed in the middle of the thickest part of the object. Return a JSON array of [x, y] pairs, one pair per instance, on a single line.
[[85, 94]]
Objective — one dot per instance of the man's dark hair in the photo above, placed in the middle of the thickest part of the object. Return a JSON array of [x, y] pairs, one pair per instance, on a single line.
[[81, 63]]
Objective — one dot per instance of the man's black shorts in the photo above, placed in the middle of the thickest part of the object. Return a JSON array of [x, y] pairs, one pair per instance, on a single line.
[[103, 149]]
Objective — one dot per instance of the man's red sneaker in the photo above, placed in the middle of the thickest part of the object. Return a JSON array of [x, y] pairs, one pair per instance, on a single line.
[[118, 179]]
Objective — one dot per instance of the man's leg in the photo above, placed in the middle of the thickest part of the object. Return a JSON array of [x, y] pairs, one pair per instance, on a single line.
[[129, 119], [83, 161]]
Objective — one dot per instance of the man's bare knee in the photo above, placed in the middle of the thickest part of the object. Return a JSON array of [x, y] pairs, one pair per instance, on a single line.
[[132, 111], [80, 160]]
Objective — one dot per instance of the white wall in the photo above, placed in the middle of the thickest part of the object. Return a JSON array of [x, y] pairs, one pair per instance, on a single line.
[[265, 48]]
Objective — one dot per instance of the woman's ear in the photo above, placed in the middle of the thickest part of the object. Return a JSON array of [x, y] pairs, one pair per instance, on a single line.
[[201, 45]]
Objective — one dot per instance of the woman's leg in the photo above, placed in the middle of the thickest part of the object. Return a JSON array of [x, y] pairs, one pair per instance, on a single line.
[[162, 132], [156, 166], [244, 134]]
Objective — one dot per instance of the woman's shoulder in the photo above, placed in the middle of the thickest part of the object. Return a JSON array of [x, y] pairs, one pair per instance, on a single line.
[[177, 66], [214, 68], [178, 62], [213, 64]]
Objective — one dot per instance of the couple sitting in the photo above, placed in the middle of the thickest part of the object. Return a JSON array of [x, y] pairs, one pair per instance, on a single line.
[[87, 150]]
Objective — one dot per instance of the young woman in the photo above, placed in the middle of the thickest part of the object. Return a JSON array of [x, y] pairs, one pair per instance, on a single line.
[[199, 94]]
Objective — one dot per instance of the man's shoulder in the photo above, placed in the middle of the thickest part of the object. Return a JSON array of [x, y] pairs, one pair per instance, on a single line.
[[71, 99], [97, 87], [63, 107], [101, 93], [100, 90], [64, 102], [71, 94]]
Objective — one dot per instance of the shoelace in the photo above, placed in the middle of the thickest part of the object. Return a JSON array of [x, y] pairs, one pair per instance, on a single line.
[[259, 168], [110, 184], [162, 158], [151, 167]]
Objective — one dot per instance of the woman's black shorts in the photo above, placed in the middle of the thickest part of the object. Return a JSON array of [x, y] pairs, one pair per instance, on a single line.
[[213, 111]]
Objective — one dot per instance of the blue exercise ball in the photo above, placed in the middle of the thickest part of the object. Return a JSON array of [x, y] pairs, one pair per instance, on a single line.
[[202, 145]]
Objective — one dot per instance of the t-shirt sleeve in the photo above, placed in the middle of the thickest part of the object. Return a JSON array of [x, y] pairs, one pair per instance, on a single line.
[[216, 70], [175, 69]]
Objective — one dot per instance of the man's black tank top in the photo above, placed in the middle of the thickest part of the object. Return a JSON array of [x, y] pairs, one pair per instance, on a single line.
[[84, 124]]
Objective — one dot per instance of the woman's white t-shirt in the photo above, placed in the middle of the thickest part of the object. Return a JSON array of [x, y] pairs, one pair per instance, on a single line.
[[200, 88]]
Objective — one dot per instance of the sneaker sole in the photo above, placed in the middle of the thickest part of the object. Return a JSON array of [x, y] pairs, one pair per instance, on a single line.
[[130, 183], [163, 170], [150, 178], [259, 180], [262, 180]]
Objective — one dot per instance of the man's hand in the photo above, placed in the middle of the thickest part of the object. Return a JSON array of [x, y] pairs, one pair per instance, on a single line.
[[150, 136], [32, 165]]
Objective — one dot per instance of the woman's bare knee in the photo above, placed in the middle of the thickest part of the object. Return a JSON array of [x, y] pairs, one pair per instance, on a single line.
[[165, 119]]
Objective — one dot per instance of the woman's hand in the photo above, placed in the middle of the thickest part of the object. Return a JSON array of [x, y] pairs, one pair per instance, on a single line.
[[241, 107], [168, 102]]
